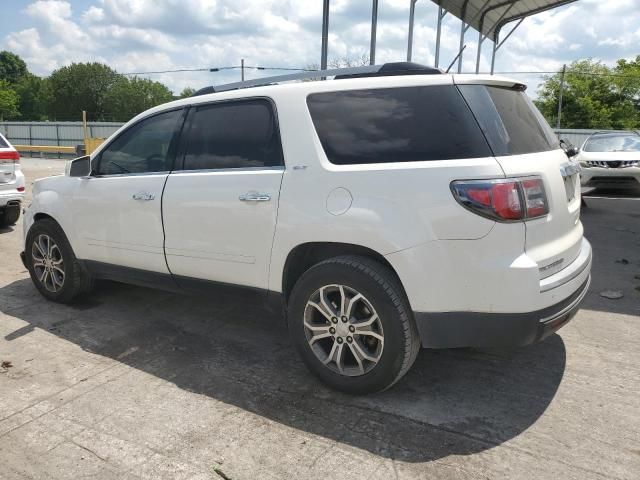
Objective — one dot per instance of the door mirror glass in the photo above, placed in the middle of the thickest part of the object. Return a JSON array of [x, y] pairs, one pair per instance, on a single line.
[[80, 167]]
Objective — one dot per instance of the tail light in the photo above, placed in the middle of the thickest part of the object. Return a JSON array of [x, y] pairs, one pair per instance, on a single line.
[[504, 199], [9, 156]]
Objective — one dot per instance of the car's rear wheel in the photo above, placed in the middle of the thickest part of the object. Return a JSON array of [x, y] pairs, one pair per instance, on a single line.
[[352, 325], [9, 215], [53, 267]]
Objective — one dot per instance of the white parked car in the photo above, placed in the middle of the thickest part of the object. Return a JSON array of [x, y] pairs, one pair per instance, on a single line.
[[389, 208], [11, 184], [611, 160]]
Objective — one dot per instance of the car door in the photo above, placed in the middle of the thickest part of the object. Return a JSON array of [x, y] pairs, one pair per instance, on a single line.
[[220, 205], [117, 209]]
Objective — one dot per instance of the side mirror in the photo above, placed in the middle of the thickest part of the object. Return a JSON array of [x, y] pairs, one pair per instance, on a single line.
[[572, 151], [80, 167], [569, 148]]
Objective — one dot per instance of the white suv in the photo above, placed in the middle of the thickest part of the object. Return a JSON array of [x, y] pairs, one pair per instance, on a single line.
[[11, 184], [389, 208]]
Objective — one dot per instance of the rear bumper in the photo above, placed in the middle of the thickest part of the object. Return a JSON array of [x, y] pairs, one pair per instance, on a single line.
[[11, 198], [473, 329]]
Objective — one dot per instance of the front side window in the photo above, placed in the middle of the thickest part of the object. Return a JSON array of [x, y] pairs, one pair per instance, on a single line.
[[509, 119], [613, 143], [238, 134], [405, 124], [143, 148]]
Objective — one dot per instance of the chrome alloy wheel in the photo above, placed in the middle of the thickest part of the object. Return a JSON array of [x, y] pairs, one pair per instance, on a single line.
[[343, 330], [47, 263]]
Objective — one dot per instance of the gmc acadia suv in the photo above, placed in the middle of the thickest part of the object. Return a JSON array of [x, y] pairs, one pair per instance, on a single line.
[[389, 208]]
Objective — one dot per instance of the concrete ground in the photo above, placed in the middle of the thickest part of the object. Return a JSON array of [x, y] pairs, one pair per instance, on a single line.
[[137, 383]]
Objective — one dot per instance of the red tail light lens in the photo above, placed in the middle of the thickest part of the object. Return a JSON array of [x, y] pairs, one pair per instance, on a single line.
[[20, 189], [505, 200], [9, 156]]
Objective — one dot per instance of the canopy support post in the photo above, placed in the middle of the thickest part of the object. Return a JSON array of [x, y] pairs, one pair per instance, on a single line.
[[497, 44], [325, 35], [374, 28], [412, 13], [441, 14]]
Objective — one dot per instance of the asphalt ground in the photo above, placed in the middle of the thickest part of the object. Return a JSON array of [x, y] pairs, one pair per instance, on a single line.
[[138, 383]]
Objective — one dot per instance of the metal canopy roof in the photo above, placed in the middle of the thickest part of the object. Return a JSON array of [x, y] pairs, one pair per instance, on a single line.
[[489, 16]]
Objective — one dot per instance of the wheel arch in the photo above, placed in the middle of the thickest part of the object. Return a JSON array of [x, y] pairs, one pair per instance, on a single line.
[[304, 256]]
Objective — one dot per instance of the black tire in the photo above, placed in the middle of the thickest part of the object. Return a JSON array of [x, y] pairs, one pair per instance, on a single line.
[[9, 216], [382, 289], [76, 279]]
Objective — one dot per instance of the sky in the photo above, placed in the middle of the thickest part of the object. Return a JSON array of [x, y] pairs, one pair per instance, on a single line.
[[152, 35]]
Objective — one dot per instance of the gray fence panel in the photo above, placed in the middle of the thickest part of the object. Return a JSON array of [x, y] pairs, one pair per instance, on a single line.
[[68, 134]]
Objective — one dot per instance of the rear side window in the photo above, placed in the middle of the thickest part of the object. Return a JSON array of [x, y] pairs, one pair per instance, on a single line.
[[240, 134], [396, 125], [509, 119]]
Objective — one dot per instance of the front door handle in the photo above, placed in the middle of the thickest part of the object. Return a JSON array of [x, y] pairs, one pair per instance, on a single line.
[[144, 196], [254, 197]]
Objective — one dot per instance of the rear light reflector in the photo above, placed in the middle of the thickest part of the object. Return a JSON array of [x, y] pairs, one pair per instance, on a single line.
[[535, 197], [9, 156], [20, 189], [504, 200]]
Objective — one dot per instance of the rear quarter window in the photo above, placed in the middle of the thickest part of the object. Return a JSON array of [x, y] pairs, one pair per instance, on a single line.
[[509, 120], [396, 125]]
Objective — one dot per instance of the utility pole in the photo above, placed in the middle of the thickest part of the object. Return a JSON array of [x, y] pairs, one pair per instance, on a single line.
[[242, 69], [564, 71]]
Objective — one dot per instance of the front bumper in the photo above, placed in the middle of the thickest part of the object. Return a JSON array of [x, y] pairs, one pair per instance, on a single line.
[[610, 177], [472, 329]]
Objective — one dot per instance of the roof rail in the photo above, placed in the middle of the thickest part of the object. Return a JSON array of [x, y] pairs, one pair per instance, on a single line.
[[388, 69]]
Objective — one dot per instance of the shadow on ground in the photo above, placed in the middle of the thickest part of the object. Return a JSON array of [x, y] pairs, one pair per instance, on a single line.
[[451, 402]]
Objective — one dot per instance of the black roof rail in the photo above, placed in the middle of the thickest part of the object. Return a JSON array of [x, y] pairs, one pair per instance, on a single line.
[[387, 69]]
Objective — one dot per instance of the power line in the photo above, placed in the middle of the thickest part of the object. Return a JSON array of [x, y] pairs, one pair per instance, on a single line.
[[217, 69], [569, 72]]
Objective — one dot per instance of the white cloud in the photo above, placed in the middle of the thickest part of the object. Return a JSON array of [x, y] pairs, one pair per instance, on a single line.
[[150, 35]]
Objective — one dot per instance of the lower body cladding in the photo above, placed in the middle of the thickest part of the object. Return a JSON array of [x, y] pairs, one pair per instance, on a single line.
[[482, 293], [628, 177]]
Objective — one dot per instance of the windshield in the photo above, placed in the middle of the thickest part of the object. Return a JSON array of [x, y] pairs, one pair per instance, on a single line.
[[3, 144], [613, 143]]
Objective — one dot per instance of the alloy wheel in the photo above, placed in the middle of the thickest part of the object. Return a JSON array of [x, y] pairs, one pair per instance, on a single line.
[[343, 330], [48, 264]]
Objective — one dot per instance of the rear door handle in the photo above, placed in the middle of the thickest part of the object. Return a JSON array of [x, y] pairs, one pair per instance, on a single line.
[[254, 197], [144, 196]]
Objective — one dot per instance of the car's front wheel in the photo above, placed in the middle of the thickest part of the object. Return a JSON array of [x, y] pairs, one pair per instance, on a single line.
[[352, 325], [53, 266]]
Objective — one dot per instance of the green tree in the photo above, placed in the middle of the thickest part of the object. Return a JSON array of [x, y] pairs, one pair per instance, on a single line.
[[78, 87], [128, 97], [34, 97], [8, 101], [594, 96], [187, 92], [12, 67]]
